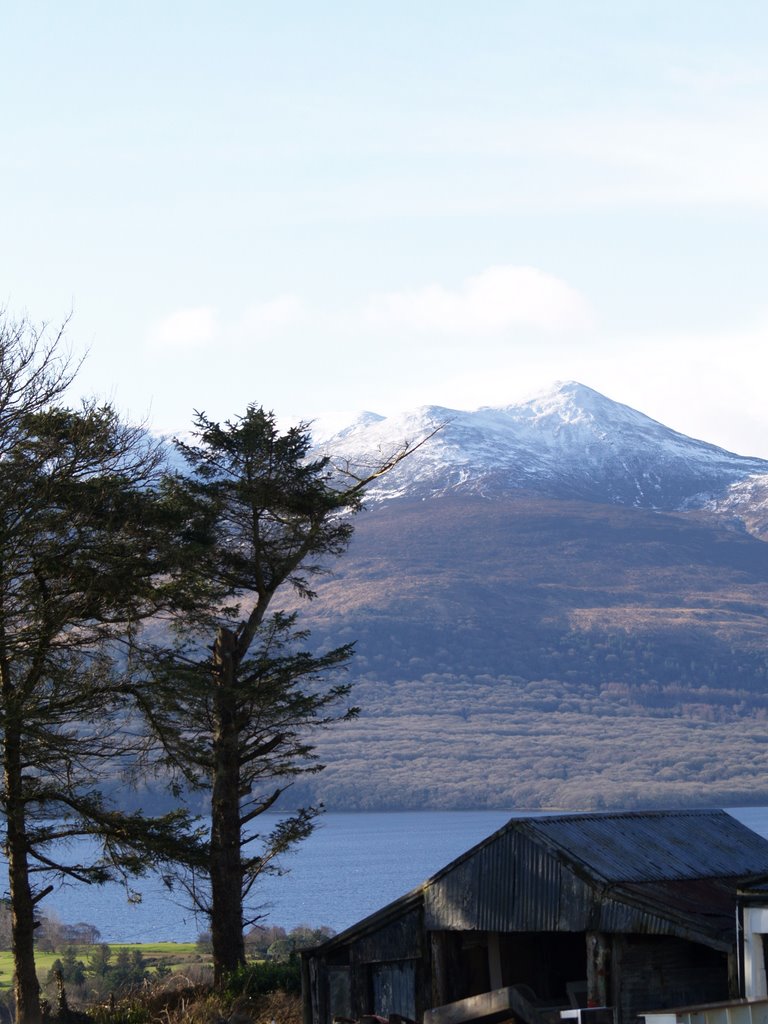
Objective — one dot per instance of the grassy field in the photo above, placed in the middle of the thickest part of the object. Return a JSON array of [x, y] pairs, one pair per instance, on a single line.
[[179, 956]]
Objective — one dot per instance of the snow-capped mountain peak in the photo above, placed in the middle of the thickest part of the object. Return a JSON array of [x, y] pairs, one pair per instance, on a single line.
[[568, 402], [568, 441], [323, 429]]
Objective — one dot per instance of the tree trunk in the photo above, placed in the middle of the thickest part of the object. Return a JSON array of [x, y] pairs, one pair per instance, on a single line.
[[26, 985], [226, 865]]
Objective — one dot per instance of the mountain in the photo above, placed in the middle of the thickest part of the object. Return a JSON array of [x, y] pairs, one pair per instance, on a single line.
[[557, 604], [568, 442]]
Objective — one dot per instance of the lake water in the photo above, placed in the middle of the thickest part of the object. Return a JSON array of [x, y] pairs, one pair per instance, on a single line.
[[352, 865]]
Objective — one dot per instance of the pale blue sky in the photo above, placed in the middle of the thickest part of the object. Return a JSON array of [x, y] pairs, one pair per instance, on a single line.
[[325, 207]]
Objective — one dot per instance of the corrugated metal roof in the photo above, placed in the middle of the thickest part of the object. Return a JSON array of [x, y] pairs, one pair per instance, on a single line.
[[654, 845], [632, 871]]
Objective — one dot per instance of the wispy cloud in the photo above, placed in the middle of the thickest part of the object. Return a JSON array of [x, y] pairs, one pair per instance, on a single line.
[[484, 305], [199, 326], [490, 302]]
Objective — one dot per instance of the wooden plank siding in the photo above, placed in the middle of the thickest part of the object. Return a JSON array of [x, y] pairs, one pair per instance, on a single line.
[[652, 972]]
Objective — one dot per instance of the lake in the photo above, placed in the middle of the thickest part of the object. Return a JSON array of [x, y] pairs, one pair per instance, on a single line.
[[352, 865]]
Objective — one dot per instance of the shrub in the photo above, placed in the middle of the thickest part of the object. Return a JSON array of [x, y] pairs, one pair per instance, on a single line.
[[259, 978]]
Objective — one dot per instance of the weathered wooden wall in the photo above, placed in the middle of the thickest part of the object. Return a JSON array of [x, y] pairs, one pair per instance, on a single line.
[[650, 972]]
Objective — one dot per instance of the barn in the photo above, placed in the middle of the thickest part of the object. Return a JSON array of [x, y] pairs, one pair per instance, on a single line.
[[621, 911]]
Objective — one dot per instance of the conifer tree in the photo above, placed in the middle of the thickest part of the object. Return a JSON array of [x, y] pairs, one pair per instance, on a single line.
[[242, 695], [83, 558]]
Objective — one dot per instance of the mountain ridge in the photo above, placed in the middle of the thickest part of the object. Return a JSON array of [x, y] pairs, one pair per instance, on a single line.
[[568, 614], [568, 441]]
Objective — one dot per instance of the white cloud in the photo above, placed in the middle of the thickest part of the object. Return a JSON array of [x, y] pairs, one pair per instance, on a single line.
[[492, 301], [197, 327], [185, 329]]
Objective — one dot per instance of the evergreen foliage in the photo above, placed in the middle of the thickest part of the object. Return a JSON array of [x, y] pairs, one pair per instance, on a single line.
[[95, 539], [236, 702], [84, 556], [68, 967]]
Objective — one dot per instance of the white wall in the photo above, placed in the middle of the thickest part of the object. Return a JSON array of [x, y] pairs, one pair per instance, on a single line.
[[755, 933]]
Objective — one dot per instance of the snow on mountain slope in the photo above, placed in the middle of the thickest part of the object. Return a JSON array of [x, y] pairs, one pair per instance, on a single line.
[[568, 441], [746, 501]]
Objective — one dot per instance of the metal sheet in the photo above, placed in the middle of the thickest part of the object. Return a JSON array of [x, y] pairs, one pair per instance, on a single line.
[[648, 846], [644, 872], [587, 871]]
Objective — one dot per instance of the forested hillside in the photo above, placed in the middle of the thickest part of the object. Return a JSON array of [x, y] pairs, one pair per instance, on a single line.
[[531, 652]]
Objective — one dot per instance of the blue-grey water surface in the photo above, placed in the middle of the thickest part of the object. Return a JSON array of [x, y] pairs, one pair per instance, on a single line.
[[351, 866]]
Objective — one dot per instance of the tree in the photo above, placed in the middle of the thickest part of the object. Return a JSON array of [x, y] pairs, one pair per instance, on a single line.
[[242, 695], [82, 560], [301, 937], [68, 968], [100, 960], [128, 971]]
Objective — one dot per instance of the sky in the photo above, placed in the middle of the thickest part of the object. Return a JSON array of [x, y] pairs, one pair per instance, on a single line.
[[330, 207]]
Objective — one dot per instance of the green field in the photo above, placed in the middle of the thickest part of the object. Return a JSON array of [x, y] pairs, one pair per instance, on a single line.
[[177, 955]]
